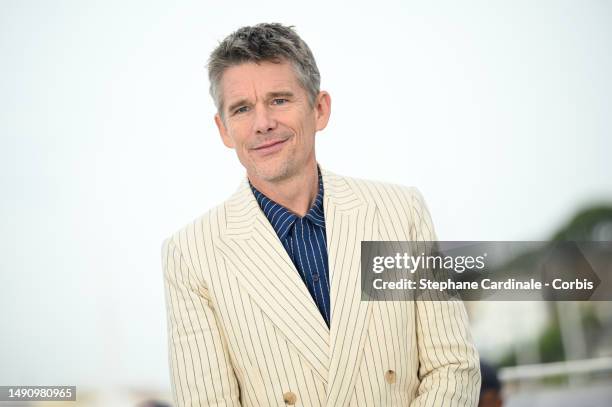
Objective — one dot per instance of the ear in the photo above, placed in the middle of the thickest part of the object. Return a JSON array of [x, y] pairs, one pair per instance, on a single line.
[[227, 140], [322, 109]]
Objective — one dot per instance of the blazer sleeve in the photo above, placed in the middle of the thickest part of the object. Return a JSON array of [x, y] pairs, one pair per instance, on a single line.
[[449, 366], [200, 368]]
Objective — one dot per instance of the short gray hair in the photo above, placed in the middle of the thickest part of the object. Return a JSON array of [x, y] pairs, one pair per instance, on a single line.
[[270, 42]]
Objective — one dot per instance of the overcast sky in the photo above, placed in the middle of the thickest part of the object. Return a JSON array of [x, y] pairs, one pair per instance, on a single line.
[[499, 112]]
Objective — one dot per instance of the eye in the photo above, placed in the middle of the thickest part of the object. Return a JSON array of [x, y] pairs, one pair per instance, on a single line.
[[241, 109], [279, 101]]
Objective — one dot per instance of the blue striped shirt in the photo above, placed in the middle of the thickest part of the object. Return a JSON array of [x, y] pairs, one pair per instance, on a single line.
[[305, 242]]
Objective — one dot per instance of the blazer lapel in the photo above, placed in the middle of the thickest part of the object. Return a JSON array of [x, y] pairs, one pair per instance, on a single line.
[[349, 220], [263, 267]]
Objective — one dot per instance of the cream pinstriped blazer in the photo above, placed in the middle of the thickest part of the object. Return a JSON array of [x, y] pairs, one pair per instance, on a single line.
[[244, 330]]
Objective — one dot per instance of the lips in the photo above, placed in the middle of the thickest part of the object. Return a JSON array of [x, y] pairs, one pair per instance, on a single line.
[[269, 144], [270, 148]]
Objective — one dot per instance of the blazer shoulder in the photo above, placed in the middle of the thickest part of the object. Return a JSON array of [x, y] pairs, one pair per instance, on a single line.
[[397, 205], [381, 193]]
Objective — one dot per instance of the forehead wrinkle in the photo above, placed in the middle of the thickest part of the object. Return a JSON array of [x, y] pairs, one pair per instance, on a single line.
[[238, 96], [242, 84]]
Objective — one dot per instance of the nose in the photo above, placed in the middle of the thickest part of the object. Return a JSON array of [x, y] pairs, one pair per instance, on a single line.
[[264, 120]]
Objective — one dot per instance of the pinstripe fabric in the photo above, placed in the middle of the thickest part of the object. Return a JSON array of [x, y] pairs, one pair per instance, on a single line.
[[305, 242], [244, 330]]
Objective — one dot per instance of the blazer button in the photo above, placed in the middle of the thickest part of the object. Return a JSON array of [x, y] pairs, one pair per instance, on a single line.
[[390, 376], [290, 398]]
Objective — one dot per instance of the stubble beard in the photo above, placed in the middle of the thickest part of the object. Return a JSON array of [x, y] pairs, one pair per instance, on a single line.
[[275, 173], [281, 169]]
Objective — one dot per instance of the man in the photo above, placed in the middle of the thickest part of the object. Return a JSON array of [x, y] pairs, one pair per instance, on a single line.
[[263, 292]]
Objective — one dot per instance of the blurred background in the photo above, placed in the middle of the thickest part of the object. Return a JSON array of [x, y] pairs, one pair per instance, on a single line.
[[499, 112]]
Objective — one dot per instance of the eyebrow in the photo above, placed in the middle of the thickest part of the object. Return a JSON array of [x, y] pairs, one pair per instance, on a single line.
[[273, 95], [235, 105], [270, 95]]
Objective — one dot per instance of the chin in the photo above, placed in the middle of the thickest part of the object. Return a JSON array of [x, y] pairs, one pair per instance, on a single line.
[[274, 172]]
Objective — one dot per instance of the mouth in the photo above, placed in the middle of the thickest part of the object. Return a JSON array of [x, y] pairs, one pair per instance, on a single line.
[[270, 147]]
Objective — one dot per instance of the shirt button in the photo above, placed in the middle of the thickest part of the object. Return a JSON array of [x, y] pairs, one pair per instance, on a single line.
[[290, 398], [315, 277], [390, 376]]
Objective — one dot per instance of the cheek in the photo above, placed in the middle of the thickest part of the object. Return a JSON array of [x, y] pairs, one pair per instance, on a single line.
[[308, 135], [239, 136]]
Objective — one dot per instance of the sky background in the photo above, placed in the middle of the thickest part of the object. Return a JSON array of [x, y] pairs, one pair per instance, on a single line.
[[499, 112]]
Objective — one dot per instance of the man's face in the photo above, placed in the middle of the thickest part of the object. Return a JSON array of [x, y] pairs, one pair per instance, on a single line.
[[269, 121]]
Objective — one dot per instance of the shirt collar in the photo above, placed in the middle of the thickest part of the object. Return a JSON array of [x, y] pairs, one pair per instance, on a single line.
[[282, 219]]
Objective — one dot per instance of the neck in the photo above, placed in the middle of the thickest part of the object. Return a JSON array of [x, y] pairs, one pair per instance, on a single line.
[[296, 193]]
